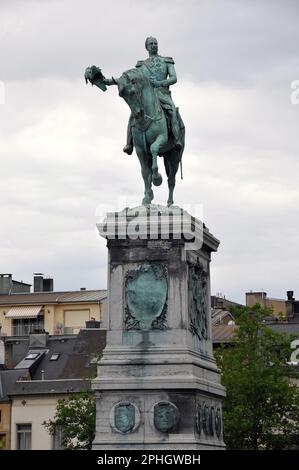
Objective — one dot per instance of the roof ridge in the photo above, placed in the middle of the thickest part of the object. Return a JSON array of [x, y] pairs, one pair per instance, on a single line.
[[53, 292]]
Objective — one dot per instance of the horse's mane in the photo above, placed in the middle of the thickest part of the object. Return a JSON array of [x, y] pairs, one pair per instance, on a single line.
[[141, 79]]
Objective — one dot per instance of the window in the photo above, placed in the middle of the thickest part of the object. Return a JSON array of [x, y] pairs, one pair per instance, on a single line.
[[32, 356], [23, 436], [75, 319], [54, 357], [25, 326]]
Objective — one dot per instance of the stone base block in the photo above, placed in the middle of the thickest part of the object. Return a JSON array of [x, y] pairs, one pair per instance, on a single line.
[[159, 419]]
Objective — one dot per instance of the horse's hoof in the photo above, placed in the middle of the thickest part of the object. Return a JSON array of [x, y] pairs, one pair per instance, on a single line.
[[169, 203], [157, 179], [146, 201]]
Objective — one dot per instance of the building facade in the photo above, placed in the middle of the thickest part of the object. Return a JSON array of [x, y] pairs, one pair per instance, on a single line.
[[42, 370], [283, 309], [54, 312]]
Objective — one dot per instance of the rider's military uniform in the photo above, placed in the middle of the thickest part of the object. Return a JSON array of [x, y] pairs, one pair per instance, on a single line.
[[156, 68]]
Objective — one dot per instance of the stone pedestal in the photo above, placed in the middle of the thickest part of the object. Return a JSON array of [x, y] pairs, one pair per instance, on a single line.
[[158, 386]]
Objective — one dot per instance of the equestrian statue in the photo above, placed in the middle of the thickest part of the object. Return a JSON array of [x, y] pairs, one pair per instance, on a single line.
[[155, 126]]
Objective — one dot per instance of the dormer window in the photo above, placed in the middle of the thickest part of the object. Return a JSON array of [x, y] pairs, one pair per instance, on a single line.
[[31, 356], [54, 357]]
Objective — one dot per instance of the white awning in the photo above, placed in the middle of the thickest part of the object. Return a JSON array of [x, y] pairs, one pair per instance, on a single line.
[[24, 311]]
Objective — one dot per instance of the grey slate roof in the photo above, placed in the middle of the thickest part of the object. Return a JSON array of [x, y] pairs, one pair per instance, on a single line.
[[222, 333], [31, 364], [71, 372], [75, 353], [7, 382], [284, 327], [48, 387], [42, 298]]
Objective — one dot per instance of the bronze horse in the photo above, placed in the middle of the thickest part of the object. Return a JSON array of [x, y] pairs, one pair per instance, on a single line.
[[150, 132], [150, 127]]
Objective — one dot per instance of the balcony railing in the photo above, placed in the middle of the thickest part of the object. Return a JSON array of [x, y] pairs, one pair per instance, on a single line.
[[25, 329]]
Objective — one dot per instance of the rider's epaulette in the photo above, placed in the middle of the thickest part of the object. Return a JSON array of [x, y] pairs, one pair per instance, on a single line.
[[139, 63], [169, 60]]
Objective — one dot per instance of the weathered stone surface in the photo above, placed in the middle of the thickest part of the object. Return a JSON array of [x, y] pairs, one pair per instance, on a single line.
[[144, 366], [145, 297]]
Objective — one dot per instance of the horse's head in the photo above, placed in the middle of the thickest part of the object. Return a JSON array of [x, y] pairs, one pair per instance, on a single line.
[[130, 86]]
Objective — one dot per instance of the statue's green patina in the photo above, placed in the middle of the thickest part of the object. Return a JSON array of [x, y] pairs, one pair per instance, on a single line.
[[146, 296], [124, 417], [166, 416], [155, 126]]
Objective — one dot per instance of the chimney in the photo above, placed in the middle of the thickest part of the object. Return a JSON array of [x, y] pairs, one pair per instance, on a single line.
[[91, 324], [41, 284], [48, 284], [290, 295], [5, 283], [38, 279], [38, 340]]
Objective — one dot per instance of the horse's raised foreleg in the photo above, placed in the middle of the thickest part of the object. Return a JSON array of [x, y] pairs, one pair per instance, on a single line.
[[155, 147]]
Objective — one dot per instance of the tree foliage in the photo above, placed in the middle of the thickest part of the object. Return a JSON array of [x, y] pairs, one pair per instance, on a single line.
[[75, 417], [261, 410]]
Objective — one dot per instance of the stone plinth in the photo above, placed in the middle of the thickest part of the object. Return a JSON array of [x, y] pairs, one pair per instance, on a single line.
[[158, 386]]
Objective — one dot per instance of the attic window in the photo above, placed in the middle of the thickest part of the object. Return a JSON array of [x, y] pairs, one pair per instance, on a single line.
[[32, 356], [54, 357]]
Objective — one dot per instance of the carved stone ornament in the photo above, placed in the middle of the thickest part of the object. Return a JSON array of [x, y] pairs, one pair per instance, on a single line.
[[218, 422], [211, 421], [166, 416], [197, 301], [124, 417], [146, 295], [205, 419], [199, 418]]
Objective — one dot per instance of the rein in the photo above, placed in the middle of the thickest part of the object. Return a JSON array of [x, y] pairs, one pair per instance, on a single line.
[[151, 120]]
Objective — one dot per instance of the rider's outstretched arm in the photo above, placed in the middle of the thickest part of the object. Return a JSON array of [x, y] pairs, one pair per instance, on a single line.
[[110, 81]]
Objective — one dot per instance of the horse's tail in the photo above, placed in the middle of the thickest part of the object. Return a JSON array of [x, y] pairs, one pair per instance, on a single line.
[[181, 166]]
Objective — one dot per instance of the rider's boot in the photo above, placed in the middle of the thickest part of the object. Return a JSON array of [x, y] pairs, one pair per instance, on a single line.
[[176, 134], [178, 145], [129, 147]]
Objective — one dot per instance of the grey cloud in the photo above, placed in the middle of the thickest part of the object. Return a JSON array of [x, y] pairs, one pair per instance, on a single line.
[[61, 141], [223, 41]]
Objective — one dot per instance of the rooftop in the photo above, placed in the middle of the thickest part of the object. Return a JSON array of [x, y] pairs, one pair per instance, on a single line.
[[222, 333], [53, 297], [65, 364], [62, 357], [46, 387], [8, 379]]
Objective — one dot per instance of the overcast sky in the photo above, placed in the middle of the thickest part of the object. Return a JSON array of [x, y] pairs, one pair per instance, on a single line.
[[61, 141]]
